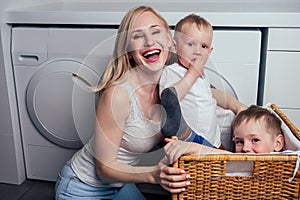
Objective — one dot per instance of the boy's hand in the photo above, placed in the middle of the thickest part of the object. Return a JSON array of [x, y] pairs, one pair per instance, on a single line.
[[197, 65]]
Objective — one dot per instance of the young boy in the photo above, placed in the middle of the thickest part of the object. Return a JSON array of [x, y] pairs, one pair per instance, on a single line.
[[193, 39], [257, 130]]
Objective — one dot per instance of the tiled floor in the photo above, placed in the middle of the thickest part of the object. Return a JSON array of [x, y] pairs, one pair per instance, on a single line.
[[28, 190], [43, 190]]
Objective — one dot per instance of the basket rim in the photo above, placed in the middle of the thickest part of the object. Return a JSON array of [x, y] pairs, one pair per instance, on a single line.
[[241, 157]]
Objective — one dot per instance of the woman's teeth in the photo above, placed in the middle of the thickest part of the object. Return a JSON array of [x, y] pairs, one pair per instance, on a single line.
[[151, 53]]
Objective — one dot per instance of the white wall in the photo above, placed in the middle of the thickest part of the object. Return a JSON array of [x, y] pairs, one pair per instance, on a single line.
[[7, 4]]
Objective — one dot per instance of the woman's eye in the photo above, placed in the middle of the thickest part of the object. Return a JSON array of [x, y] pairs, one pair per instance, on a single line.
[[137, 36], [156, 32]]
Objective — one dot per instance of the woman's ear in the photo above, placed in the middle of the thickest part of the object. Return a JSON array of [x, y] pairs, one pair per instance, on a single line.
[[279, 143]]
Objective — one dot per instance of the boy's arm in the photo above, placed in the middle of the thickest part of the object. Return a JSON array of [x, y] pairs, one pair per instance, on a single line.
[[184, 85], [195, 70], [227, 101]]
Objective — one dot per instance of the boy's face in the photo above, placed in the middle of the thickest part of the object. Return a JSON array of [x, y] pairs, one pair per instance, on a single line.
[[191, 42], [254, 137]]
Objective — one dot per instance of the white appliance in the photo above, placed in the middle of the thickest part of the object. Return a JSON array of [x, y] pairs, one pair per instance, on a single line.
[[234, 67], [54, 68], [282, 71], [234, 63], [12, 168]]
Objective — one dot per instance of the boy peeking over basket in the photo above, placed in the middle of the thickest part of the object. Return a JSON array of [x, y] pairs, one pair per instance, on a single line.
[[255, 130]]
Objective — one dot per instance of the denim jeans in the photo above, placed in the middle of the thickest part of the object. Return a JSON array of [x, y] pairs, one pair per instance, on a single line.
[[69, 186]]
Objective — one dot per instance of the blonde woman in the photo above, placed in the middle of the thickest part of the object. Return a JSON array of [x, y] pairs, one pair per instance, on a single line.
[[128, 118]]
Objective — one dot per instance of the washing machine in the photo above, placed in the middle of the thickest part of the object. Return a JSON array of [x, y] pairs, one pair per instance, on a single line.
[[55, 70]]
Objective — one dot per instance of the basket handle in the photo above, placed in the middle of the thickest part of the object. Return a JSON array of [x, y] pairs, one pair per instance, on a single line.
[[291, 126]]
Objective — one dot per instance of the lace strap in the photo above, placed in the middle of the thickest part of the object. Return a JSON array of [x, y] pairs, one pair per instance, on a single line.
[[134, 106]]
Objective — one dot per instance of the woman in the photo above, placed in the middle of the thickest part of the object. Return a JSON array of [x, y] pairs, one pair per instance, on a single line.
[[127, 118]]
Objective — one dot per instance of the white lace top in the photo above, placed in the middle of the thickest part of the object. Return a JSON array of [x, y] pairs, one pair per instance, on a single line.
[[140, 136]]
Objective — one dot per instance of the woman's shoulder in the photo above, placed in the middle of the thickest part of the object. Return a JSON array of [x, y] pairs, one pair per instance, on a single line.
[[114, 101], [116, 95]]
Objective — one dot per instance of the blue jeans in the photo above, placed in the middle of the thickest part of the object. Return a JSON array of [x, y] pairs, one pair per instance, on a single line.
[[199, 139], [69, 186]]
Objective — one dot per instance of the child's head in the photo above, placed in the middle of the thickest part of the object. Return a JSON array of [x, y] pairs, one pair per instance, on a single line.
[[257, 130], [193, 34]]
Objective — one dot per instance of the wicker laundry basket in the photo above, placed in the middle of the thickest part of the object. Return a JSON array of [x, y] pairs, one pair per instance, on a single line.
[[269, 177]]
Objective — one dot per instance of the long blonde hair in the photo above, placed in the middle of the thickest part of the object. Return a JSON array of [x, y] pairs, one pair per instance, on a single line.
[[120, 63]]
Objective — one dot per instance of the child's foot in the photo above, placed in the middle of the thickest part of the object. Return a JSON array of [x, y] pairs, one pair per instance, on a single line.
[[173, 123]]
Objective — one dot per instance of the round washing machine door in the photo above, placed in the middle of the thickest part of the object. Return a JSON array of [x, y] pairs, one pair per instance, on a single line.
[[220, 82], [224, 116], [61, 104]]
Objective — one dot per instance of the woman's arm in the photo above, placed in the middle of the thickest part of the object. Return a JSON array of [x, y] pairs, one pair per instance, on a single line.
[[112, 112]]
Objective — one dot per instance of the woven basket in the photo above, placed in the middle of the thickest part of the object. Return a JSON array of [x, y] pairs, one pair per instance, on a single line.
[[269, 178]]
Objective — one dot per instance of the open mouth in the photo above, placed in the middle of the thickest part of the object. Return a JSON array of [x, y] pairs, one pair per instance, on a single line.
[[152, 54]]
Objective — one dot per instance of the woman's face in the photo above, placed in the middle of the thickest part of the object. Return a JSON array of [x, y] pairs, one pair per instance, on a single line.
[[149, 42]]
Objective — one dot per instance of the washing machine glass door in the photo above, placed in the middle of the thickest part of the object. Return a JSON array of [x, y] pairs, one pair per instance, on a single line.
[[218, 81], [60, 103]]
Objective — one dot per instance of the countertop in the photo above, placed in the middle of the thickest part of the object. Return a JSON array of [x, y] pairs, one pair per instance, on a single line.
[[254, 13]]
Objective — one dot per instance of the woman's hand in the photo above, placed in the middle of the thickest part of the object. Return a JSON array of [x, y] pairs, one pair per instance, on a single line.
[[171, 179]]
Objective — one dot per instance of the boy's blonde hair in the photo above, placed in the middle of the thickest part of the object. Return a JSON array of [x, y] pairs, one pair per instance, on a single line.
[[190, 19], [120, 63]]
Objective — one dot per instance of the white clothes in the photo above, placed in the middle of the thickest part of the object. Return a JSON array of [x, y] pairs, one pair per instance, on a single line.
[[198, 107], [139, 137]]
